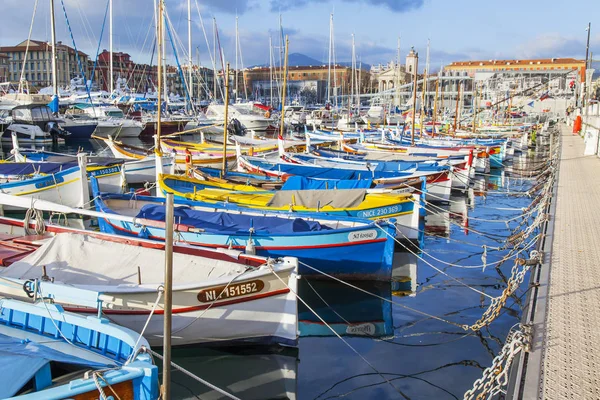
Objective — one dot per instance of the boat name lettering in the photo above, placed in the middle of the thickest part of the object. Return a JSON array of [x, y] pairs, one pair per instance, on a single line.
[[362, 235], [229, 291], [50, 181], [106, 171], [366, 329], [378, 212]]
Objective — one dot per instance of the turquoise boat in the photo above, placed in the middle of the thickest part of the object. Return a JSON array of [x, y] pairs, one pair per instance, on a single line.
[[38, 340]]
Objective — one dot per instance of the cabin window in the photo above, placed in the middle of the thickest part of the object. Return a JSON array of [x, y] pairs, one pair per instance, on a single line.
[[118, 114]]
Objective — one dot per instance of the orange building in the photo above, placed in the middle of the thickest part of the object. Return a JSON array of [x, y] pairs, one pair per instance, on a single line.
[[535, 65]]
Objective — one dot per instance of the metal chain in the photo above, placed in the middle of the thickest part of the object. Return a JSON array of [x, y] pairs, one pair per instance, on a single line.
[[495, 377]]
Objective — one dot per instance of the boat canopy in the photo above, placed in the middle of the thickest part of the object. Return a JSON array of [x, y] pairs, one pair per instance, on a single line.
[[32, 113], [304, 183], [31, 168], [22, 359], [222, 222]]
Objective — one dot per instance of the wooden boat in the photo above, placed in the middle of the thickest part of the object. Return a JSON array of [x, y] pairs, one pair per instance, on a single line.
[[439, 182], [403, 207], [219, 297], [122, 150], [41, 339], [347, 247], [47, 181], [256, 180]]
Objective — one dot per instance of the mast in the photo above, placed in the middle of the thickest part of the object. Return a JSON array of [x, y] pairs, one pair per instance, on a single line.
[[110, 45], [427, 72], [159, 67], [226, 77], [475, 106], [353, 65], [441, 110], [215, 76], [329, 60], [190, 74], [435, 106], [236, 57], [285, 68], [397, 99], [457, 102], [54, 72], [271, 68], [414, 100], [164, 57]]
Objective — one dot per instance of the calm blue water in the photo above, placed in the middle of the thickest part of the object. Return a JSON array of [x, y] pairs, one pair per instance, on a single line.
[[420, 356]]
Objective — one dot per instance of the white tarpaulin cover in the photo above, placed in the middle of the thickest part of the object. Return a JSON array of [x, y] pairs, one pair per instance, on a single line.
[[347, 198], [84, 260]]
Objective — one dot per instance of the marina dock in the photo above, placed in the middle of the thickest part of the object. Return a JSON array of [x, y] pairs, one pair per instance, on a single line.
[[563, 361]]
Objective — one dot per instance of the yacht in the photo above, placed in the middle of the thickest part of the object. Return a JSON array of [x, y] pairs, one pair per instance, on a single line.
[[112, 121], [249, 118], [35, 124]]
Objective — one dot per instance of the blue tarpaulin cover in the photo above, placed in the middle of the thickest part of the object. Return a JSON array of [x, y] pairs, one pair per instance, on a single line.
[[222, 222], [303, 183], [329, 173], [27, 168], [22, 359]]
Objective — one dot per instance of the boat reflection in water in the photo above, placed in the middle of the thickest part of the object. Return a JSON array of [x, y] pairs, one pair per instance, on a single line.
[[438, 220], [404, 275], [247, 372], [350, 311]]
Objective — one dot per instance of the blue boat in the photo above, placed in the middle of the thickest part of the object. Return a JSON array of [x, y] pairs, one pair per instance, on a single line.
[[346, 247], [39, 340]]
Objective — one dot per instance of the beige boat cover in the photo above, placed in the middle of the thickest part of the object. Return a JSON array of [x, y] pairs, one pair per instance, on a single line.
[[345, 198], [79, 259]]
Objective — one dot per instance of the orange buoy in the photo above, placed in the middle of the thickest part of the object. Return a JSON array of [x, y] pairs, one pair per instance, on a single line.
[[577, 124]]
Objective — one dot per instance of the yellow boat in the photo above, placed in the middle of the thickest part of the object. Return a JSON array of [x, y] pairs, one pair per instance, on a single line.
[[346, 202]]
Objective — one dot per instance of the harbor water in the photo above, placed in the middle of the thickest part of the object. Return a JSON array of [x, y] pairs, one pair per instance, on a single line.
[[386, 340]]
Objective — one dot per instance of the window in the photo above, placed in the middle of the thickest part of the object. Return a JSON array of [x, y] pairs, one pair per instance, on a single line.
[[32, 66]]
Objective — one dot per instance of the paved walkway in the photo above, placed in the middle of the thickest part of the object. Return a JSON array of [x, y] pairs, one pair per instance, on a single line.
[[572, 356]]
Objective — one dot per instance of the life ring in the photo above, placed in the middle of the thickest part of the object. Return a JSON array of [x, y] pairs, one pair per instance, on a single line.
[[268, 114]]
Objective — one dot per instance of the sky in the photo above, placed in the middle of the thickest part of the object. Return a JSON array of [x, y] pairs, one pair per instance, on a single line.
[[458, 30]]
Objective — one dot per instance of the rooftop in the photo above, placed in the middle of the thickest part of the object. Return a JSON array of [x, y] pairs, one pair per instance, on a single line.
[[35, 44], [540, 61]]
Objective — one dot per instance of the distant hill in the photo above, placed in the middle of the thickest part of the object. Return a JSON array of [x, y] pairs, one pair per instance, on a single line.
[[301, 60]]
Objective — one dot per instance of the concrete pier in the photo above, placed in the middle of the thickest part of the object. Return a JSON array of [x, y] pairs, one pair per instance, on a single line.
[[564, 362]]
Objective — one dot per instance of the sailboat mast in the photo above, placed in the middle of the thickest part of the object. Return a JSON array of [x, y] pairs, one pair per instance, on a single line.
[[427, 73], [159, 67], [435, 105], [353, 65], [271, 68], [164, 55], [110, 45], [474, 106], [53, 33], [329, 61], [225, 125], [457, 103], [215, 76], [414, 100], [397, 99], [190, 73], [285, 69], [236, 56]]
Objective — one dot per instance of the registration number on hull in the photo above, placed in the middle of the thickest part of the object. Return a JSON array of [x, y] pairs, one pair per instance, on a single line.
[[229, 291]]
